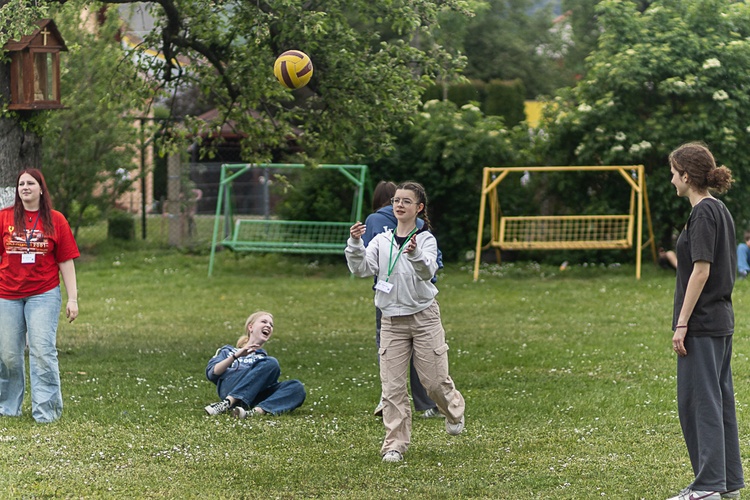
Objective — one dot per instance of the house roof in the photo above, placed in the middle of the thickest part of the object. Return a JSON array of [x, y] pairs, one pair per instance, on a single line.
[[229, 127]]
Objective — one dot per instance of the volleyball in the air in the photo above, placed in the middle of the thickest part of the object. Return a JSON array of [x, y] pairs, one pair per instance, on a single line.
[[293, 69]]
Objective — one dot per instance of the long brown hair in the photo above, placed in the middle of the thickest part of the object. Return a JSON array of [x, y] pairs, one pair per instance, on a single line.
[[695, 160], [382, 195], [45, 203]]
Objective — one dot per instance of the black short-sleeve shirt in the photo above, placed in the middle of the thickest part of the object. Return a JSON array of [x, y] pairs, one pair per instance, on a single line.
[[708, 236]]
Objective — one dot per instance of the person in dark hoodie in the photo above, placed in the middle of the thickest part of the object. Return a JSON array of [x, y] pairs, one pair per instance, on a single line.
[[380, 220]]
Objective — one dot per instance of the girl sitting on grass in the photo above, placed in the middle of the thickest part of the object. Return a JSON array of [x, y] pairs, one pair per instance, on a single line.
[[247, 378], [405, 260]]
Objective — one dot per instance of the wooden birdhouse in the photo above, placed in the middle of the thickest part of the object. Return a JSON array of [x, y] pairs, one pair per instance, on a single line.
[[35, 68]]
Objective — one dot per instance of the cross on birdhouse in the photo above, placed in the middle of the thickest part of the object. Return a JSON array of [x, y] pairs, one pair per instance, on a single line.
[[35, 68], [44, 33]]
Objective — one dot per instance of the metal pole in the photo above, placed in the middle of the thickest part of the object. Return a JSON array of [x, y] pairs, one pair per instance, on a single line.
[[143, 183], [266, 195]]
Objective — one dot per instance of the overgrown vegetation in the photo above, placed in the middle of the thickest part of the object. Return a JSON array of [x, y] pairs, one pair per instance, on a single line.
[[674, 73], [89, 147]]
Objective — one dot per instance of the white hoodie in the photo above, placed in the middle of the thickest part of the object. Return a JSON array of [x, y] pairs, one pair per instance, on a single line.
[[412, 290]]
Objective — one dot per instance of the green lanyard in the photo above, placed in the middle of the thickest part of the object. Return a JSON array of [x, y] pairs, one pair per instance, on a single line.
[[391, 261]]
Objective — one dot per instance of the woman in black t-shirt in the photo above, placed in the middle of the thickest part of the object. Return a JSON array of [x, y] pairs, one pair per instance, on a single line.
[[703, 325]]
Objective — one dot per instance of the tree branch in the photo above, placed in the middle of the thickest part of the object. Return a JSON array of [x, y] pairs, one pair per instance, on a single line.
[[172, 37]]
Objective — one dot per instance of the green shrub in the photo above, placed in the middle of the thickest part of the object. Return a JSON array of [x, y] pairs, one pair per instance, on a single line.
[[90, 216], [505, 98], [466, 92], [120, 225], [445, 150], [315, 194], [497, 98]]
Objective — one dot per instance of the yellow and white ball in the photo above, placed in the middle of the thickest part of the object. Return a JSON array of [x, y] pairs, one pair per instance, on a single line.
[[293, 69]]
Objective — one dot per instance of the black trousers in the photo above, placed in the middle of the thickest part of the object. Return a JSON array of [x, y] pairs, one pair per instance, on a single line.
[[706, 406]]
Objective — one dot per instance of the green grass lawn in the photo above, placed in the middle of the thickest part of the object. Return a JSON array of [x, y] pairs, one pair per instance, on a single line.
[[568, 379]]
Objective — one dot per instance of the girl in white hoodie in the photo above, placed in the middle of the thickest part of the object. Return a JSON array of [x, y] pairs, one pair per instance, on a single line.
[[405, 260]]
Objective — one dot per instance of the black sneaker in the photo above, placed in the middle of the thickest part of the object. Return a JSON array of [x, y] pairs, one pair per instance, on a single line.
[[218, 408]]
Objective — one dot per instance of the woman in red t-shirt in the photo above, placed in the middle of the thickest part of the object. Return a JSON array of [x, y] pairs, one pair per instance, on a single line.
[[36, 248]]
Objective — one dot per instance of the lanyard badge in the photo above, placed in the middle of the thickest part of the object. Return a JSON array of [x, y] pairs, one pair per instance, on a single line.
[[385, 286], [28, 257]]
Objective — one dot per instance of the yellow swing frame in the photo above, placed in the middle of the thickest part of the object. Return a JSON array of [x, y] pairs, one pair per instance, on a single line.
[[565, 232]]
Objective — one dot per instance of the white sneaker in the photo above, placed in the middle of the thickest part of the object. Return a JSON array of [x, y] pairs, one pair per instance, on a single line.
[[733, 495], [379, 409], [691, 494], [393, 456], [222, 406], [457, 428], [241, 413], [432, 413]]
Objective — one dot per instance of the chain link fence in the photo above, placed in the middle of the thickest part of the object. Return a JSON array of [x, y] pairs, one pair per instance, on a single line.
[[187, 219]]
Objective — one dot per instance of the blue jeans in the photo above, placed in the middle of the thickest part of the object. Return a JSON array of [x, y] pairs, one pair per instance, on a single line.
[[34, 318], [259, 386]]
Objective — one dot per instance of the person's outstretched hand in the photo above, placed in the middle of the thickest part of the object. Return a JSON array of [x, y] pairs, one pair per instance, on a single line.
[[357, 230]]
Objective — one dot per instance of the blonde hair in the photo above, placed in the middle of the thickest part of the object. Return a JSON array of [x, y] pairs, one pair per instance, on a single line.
[[249, 321]]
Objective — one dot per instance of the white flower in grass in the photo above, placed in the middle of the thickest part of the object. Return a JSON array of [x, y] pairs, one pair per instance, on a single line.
[[618, 148], [579, 149], [430, 103], [720, 95], [747, 129], [620, 136], [712, 63], [584, 108]]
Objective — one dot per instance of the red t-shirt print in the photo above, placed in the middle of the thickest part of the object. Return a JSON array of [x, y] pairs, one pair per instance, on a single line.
[[19, 279]]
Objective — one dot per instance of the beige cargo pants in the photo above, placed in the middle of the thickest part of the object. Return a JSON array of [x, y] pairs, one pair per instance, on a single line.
[[423, 334]]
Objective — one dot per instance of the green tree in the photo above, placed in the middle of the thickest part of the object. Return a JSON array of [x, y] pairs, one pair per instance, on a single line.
[[677, 72], [509, 40], [445, 149], [89, 147], [583, 35], [362, 85], [20, 142]]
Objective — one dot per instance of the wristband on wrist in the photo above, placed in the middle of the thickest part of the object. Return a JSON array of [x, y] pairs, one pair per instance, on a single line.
[[680, 326]]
